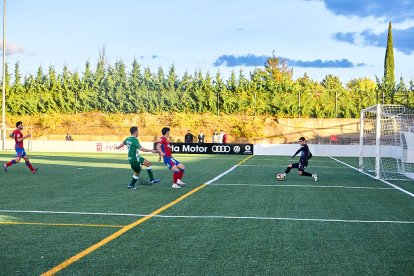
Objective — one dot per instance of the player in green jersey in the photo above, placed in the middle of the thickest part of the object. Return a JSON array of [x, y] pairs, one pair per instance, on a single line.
[[135, 160]]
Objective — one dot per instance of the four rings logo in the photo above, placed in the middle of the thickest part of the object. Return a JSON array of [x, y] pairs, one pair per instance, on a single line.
[[220, 149]]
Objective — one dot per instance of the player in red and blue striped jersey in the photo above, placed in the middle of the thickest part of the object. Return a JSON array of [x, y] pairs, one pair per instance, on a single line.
[[18, 137], [164, 149]]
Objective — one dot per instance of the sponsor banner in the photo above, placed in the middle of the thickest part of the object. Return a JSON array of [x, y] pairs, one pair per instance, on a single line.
[[210, 148]]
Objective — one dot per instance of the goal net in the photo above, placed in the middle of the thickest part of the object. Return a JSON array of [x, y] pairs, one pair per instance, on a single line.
[[387, 142]]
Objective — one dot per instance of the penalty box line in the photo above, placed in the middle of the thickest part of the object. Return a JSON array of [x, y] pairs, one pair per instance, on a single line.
[[383, 181], [303, 186], [125, 229], [222, 217], [60, 224]]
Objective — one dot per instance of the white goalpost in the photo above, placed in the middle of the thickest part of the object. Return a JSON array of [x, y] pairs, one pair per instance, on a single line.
[[386, 148]]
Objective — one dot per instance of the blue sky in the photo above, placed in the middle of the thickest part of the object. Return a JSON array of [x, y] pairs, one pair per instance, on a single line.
[[346, 38]]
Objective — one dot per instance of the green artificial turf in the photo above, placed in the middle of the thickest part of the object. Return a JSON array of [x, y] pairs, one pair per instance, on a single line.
[[245, 223]]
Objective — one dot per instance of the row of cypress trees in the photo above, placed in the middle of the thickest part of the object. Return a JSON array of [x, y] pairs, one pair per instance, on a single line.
[[111, 88]]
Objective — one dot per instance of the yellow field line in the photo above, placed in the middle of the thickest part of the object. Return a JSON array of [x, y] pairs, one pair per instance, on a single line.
[[118, 233], [60, 224]]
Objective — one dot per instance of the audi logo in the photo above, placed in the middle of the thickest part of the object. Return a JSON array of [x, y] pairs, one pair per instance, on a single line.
[[220, 149]]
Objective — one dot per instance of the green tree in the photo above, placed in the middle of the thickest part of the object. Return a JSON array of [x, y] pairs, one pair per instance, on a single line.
[[258, 96], [389, 66], [410, 95], [149, 92], [277, 69], [136, 91], [210, 94], [170, 89], [66, 94], [306, 90], [15, 97], [402, 92], [221, 92], [269, 90], [7, 81], [229, 95], [76, 96], [243, 92], [99, 86], [330, 99], [85, 97], [360, 94], [279, 91], [185, 86]]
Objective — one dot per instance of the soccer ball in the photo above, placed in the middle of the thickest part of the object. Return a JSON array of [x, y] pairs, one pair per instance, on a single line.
[[280, 177]]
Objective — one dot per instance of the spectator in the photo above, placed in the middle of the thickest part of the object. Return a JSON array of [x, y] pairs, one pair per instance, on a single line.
[[220, 137], [68, 137], [201, 137], [188, 137], [224, 141], [215, 137]]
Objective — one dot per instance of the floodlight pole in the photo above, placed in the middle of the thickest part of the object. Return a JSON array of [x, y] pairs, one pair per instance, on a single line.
[[336, 103], [255, 103], [3, 105], [218, 102]]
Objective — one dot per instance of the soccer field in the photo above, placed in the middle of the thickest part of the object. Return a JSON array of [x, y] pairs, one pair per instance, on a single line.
[[77, 217]]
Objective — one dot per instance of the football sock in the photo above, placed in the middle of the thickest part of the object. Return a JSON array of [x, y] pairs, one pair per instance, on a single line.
[[287, 170], [150, 174], [175, 176], [134, 180], [29, 165], [180, 174], [11, 163], [306, 174]]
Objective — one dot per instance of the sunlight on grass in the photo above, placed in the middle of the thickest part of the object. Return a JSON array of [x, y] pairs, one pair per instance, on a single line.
[[8, 218]]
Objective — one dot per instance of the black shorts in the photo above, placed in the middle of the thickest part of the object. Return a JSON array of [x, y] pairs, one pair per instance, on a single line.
[[300, 166]]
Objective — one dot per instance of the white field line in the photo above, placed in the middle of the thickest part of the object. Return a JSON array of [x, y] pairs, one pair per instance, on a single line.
[[306, 186], [222, 174], [216, 217], [120, 214], [275, 166], [296, 159], [386, 182]]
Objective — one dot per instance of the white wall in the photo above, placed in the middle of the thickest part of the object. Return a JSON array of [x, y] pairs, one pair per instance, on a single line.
[[73, 146], [317, 150], [260, 149]]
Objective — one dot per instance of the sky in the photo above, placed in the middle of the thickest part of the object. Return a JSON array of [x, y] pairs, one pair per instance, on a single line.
[[346, 38]]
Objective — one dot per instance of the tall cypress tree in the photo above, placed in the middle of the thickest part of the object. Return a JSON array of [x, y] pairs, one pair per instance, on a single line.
[[389, 65]]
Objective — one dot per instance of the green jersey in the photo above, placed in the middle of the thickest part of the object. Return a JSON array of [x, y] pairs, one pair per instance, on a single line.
[[133, 148]]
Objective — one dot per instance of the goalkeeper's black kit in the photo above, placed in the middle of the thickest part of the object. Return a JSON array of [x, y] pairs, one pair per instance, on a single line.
[[305, 155]]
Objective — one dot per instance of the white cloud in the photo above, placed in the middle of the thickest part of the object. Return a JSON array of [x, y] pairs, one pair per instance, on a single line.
[[11, 48]]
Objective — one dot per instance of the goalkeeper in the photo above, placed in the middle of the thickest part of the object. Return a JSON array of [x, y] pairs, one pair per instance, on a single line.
[[305, 155]]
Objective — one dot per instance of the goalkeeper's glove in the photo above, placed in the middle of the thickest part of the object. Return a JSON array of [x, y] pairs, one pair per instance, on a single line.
[[293, 156]]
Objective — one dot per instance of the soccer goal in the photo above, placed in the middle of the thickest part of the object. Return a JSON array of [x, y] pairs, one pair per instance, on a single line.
[[386, 148]]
